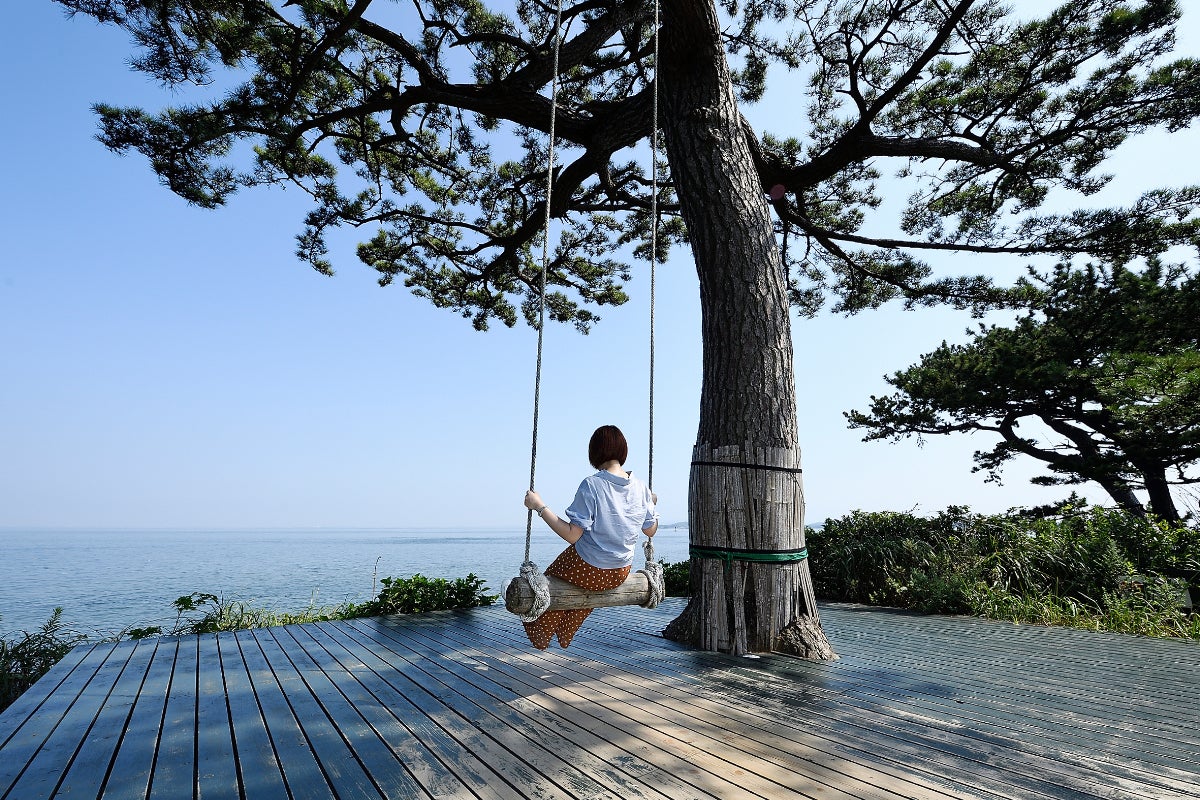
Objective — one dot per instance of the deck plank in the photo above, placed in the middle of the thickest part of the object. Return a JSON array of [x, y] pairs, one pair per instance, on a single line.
[[476, 695], [60, 746], [174, 776], [367, 692], [259, 774], [489, 692], [699, 672], [653, 699], [444, 767], [457, 705], [87, 772], [510, 771], [1007, 709], [762, 738], [892, 717], [132, 768], [216, 763], [302, 773], [371, 769], [29, 703], [1067, 684], [697, 721]]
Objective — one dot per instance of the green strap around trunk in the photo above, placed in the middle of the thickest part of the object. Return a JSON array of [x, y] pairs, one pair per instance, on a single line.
[[760, 556]]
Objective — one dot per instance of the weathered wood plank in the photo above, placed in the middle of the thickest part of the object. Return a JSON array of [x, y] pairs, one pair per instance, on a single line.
[[1078, 697], [1033, 710], [129, 777], [460, 697], [660, 737], [1051, 696], [329, 684], [684, 714], [992, 651], [259, 773], [433, 702], [345, 774], [302, 773], [730, 696], [1115, 775], [456, 705], [87, 772], [32, 699], [366, 692], [174, 776], [216, 766], [46, 769], [454, 770], [506, 699], [761, 737], [473, 694]]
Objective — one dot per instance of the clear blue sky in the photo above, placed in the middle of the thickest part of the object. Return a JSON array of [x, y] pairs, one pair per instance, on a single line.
[[166, 366]]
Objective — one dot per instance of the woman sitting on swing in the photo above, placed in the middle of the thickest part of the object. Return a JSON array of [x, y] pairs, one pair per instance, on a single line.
[[602, 525]]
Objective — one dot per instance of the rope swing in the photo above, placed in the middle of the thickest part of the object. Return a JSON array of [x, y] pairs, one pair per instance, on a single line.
[[533, 593]]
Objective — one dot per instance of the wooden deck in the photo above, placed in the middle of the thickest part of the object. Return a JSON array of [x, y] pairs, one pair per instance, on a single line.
[[455, 705]]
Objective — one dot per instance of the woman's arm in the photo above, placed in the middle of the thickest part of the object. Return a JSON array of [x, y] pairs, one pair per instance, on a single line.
[[562, 527], [653, 529]]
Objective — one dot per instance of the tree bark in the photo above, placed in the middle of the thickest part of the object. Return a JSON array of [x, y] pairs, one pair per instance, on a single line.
[[1122, 494], [1162, 505], [746, 491]]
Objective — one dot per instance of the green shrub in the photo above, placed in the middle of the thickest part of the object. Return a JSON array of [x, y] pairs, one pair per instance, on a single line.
[[419, 594], [677, 578], [24, 660], [1153, 546], [870, 557], [940, 594], [1068, 568]]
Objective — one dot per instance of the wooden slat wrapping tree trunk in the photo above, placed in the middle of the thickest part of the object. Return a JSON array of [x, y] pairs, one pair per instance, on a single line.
[[744, 508]]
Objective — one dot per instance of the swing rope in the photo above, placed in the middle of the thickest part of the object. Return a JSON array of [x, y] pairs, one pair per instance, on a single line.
[[653, 570], [529, 570]]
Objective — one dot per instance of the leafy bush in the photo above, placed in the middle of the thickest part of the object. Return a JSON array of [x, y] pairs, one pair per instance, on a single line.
[[1154, 547], [677, 578], [24, 660], [941, 594], [419, 594], [1070, 568], [870, 557]]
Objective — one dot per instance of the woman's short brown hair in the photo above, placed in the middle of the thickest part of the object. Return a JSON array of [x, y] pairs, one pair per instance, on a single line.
[[607, 444]]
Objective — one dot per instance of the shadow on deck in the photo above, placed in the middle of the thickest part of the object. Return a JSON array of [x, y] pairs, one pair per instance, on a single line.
[[456, 705]]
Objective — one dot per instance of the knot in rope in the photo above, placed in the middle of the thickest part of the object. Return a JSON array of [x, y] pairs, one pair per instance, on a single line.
[[654, 577], [541, 591]]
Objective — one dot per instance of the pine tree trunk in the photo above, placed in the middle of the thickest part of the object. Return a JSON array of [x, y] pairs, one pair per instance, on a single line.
[[748, 404], [1121, 493], [1162, 505]]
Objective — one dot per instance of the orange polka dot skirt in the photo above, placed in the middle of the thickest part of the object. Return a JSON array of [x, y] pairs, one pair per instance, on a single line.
[[565, 624]]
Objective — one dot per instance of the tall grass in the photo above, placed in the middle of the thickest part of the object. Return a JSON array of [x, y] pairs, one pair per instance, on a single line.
[[200, 612], [30, 656]]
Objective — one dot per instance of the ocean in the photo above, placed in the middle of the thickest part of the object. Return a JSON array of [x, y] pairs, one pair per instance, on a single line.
[[109, 580]]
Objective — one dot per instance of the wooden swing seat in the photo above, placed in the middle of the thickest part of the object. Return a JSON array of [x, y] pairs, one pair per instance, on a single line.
[[564, 596]]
